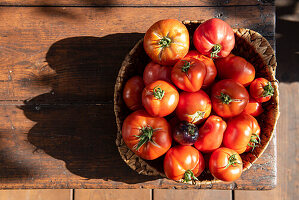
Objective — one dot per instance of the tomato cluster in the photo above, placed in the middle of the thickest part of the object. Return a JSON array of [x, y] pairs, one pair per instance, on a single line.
[[179, 90]]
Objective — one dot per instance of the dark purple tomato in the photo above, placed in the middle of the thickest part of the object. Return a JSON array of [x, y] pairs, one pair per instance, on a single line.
[[185, 133]]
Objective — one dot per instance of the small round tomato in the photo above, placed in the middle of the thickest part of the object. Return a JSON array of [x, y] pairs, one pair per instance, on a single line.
[[211, 69], [261, 90], [132, 93], [229, 98], [183, 162], [239, 131], [160, 98], [193, 107], [225, 164], [188, 74], [214, 38], [148, 137], [166, 41], [236, 68], [154, 72], [185, 133], [210, 134], [253, 108]]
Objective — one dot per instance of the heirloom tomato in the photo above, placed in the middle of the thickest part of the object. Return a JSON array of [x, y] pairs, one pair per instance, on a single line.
[[236, 68], [188, 74], [132, 93], [261, 90], [253, 108], [160, 98], [211, 69], [229, 98], [148, 137], [185, 133], [166, 41], [225, 164], [214, 38], [193, 107], [210, 134], [239, 132], [154, 72], [183, 162]]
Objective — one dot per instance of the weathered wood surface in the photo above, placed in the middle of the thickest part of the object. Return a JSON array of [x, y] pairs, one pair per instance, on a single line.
[[135, 2], [64, 62], [36, 195]]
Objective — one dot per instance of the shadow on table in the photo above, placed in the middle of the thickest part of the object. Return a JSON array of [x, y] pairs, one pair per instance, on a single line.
[[75, 122]]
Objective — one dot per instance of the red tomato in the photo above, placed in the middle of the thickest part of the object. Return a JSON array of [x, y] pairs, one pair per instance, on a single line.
[[160, 98], [210, 134], [253, 108], [193, 107], [188, 74], [239, 131], [214, 38], [183, 162], [148, 137], [261, 90], [226, 164], [132, 93], [166, 41], [211, 69], [229, 98], [236, 68], [154, 72]]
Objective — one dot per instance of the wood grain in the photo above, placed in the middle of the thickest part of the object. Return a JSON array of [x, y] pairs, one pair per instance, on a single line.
[[134, 2], [287, 135], [119, 194], [161, 194], [35, 194]]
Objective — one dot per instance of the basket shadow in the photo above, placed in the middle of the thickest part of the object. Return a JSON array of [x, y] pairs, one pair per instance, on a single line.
[[76, 122]]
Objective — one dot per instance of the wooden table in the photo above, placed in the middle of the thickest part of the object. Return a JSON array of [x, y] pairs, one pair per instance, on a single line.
[[59, 61]]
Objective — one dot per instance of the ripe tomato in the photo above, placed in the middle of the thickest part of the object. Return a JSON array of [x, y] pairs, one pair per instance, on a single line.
[[183, 162], [239, 131], [214, 38], [166, 41], [132, 93], [188, 74], [225, 164], [160, 98], [261, 90], [229, 98], [185, 133], [211, 69], [236, 68], [253, 108], [154, 72], [210, 134], [193, 107], [148, 137]]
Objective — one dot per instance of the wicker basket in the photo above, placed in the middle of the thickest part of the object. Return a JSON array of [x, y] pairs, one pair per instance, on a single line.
[[250, 45]]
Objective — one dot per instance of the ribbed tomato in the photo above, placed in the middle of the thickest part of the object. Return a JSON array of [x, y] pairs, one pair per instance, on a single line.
[[148, 137], [261, 90], [132, 93], [154, 72], [183, 162]]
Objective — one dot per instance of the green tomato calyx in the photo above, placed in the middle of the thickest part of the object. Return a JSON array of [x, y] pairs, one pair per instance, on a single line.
[[189, 176], [165, 42], [215, 50], [145, 136], [232, 161], [268, 90], [186, 66], [158, 92], [225, 98]]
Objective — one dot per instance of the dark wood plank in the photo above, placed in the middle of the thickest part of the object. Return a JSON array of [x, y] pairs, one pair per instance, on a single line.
[[287, 135], [161, 194], [135, 2], [108, 194], [35, 194], [47, 145], [76, 52]]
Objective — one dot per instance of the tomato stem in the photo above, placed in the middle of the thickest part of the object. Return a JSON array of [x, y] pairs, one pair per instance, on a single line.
[[165, 42], [268, 90], [189, 176], [158, 92], [186, 66], [145, 136], [232, 161], [225, 98], [215, 50], [191, 129], [254, 141]]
